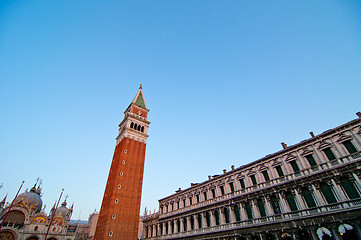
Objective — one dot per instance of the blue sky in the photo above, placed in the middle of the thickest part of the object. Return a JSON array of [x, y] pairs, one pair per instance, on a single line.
[[225, 81]]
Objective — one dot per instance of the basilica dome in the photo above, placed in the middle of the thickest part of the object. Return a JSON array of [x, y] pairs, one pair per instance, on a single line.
[[29, 199], [62, 210]]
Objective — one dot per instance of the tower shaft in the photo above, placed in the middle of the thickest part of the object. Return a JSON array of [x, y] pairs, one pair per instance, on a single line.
[[119, 213]]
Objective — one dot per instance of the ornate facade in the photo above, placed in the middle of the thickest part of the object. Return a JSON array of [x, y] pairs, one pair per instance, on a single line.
[[119, 213], [310, 190], [27, 220]]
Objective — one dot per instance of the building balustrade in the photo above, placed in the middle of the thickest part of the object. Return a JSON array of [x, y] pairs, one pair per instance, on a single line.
[[265, 185], [246, 223]]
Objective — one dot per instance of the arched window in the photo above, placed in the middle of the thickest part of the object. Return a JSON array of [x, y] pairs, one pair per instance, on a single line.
[[208, 218], [328, 193], [135, 126], [199, 221], [350, 189], [226, 214], [132, 125], [138, 128], [192, 223], [178, 226], [142, 130], [216, 213], [237, 213]]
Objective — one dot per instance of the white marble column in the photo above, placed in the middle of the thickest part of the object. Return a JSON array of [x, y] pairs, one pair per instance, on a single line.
[[181, 225], [335, 184], [268, 206], [299, 200], [232, 214], [318, 194], [164, 230], [213, 218], [254, 207], [188, 223], [357, 182], [222, 217], [175, 224], [243, 211], [282, 202]]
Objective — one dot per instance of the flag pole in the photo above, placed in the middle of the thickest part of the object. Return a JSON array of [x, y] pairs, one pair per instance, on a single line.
[[11, 205], [52, 217]]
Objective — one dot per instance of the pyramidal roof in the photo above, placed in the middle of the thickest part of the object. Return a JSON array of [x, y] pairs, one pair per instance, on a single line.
[[139, 98]]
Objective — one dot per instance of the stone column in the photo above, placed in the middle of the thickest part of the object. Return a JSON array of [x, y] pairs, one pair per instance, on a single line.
[[318, 196], [334, 231], [181, 225], [357, 181], [163, 232], [222, 217], [299, 198], [254, 208], [335, 184], [213, 218], [170, 227], [188, 223], [203, 219], [268, 207], [243, 211], [154, 230], [283, 204], [232, 214], [175, 226], [196, 224]]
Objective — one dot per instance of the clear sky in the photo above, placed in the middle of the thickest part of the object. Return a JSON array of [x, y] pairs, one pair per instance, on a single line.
[[225, 81]]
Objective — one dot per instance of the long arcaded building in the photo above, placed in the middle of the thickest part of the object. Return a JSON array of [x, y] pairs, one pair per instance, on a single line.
[[310, 190]]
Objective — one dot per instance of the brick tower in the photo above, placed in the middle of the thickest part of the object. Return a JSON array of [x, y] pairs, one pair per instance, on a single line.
[[119, 213]]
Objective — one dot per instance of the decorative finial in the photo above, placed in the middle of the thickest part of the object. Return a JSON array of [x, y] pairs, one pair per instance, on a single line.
[[37, 180], [140, 85]]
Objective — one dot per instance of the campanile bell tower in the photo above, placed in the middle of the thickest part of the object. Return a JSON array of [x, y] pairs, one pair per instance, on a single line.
[[119, 213]]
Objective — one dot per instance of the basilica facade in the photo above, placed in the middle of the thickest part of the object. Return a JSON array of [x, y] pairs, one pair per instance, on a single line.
[[310, 190], [26, 219]]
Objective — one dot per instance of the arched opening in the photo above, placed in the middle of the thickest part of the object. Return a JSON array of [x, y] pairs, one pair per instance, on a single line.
[[142, 129], [172, 226], [15, 218], [192, 222], [199, 220], [226, 215], [350, 188], [255, 237], [138, 128], [33, 238], [132, 125], [270, 236], [303, 234], [347, 232], [324, 234], [208, 219], [178, 226], [216, 214], [8, 235], [135, 126], [237, 213]]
